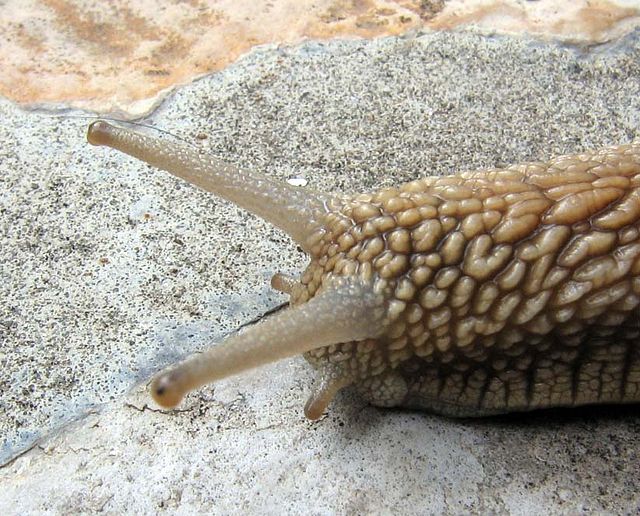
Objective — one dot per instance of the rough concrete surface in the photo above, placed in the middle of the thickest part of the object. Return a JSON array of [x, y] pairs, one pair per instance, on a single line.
[[110, 270]]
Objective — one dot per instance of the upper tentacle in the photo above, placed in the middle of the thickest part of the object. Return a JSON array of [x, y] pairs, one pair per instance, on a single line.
[[348, 310], [292, 209]]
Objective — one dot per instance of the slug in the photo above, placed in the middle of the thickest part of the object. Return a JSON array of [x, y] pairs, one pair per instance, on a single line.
[[469, 295]]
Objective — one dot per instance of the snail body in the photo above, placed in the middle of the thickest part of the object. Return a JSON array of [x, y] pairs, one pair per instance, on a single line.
[[486, 292]]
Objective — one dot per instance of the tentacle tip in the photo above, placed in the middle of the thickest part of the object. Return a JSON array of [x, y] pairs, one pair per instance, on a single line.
[[282, 283], [99, 133], [313, 410], [165, 391]]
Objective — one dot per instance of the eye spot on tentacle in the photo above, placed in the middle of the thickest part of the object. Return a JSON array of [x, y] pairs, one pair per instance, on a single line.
[[166, 390]]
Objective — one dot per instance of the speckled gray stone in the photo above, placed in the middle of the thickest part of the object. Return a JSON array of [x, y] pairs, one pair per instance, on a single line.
[[110, 270]]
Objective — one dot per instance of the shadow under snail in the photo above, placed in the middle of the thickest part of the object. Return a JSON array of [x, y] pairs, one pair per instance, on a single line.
[[468, 295]]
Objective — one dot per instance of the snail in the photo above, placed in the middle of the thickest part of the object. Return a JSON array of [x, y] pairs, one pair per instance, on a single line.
[[467, 295]]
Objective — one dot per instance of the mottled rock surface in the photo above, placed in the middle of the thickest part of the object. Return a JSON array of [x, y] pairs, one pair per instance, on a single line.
[[124, 56]]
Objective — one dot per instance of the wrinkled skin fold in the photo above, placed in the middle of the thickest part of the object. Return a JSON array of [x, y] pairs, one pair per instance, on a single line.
[[485, 292]]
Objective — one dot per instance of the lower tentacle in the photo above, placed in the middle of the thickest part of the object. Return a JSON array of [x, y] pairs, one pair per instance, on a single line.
[[330, 382]]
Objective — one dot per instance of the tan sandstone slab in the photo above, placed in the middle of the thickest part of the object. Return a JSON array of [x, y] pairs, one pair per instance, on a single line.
[[121, 56]]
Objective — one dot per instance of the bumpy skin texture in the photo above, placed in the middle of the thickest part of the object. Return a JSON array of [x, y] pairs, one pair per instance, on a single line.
[[484, 292], [512, 289]]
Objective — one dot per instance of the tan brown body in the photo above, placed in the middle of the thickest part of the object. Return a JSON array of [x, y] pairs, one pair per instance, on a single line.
[[472, 294], [512, 289]]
